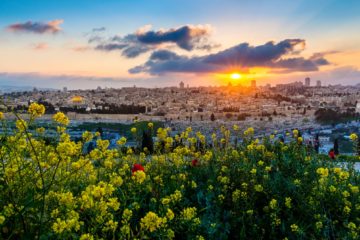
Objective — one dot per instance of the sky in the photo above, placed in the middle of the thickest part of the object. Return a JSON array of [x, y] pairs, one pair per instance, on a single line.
[[155, 43]]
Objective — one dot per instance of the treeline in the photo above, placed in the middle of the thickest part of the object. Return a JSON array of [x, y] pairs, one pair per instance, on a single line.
[[330, 116], [106, 109]]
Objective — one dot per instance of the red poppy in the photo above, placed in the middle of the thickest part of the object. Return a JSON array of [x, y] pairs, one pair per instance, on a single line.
[[137, 167], [194, 162], [332, 154]]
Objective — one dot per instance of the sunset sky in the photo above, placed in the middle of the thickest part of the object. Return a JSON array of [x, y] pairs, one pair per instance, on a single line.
[[155, 43]]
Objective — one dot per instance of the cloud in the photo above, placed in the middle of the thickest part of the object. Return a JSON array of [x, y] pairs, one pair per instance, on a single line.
[[99, 29], [81, 48], [37, 27], [111, 46], [243, 56], [188, 37], [40, 46]]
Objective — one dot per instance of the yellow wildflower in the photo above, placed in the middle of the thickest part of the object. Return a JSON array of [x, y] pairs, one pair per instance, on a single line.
[[295, 132], [121, 141], [36, 110], [170, 214], [21, 125], [353, 136], [86, 236], [139, 176], [273, 204], [288, 202], [2, 219], [258, 188], [151, 222], [248, 132], [319, 225], [294, 228], [323, 172], [61, 118], [188, 213]]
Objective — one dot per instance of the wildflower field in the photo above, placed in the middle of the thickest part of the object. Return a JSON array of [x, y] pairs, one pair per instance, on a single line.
[[255, 189]]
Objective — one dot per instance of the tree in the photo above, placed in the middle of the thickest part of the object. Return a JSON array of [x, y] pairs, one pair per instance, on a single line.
[[336, 147], [100, 130], [317, 143], [212, 117], [147, 141], [228, 115]]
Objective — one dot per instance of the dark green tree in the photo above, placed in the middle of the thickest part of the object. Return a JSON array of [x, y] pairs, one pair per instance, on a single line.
[[336, 147], [147, 141]]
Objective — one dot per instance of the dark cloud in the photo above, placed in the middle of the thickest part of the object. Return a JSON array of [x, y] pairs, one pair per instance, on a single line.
[[296, 64], [37, 27], [110, 46], [319, 58], [134, 51], [243, 56], [246, 55], [187, 37], [164, 55]]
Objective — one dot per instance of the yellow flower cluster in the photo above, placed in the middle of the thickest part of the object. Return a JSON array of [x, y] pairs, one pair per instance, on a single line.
[[61, 118], [151, 222], [249, 132], [353, 136], [36, 110], [139, 176], [188, 213]]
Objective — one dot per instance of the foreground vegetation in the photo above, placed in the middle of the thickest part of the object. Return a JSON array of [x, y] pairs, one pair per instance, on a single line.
[[257, 189]]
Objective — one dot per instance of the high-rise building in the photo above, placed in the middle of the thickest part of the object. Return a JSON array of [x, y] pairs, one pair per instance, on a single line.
[[181, 85], [253, 83], [318, 83], [65, 89], [307, 82]]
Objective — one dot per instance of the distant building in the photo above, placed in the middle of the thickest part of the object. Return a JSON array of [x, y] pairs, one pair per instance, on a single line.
[[253, 83], [182, 85], [65, 89], [307, 82], [318, 83]]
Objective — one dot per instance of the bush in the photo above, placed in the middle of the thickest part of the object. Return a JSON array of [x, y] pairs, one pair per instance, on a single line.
[[263, 188]]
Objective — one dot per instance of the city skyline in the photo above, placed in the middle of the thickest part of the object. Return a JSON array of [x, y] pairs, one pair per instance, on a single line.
[[121, 44]]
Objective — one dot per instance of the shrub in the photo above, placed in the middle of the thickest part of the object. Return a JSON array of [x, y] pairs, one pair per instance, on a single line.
[[262, 188]]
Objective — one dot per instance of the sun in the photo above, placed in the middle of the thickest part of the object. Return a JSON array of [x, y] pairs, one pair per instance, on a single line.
[[235, 76]]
